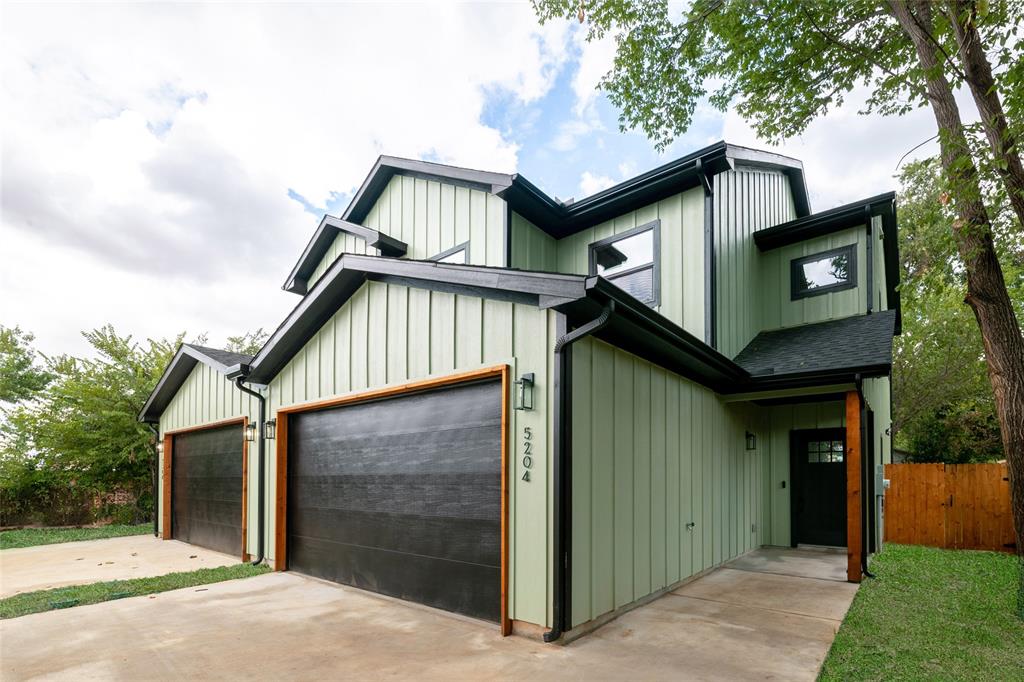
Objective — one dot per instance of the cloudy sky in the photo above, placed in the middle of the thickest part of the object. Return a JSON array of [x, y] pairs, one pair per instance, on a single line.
[[163, 165]]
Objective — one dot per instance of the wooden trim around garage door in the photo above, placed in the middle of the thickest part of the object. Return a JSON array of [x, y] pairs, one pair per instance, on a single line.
[[165, 533], [281, 479]]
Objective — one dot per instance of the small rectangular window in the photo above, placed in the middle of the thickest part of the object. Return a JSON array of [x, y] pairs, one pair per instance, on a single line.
[[824, 272], [630, 260], [457, 254]]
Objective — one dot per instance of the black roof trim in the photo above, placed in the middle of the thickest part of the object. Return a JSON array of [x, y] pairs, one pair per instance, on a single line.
[[389, 166], [561, 220], [842, 218], [819, 224], [177, 371], [326, 232]]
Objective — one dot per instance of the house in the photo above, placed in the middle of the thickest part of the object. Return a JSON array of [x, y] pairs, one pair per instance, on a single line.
[[543, 413]]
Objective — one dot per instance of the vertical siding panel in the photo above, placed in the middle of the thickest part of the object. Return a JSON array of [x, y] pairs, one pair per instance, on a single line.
[[328, 351], [408, 219], [419, 333], [469, 334], [603, 507], [657, 480], [496, 232], [359, 338], [478, 228], [641, 479], [377, 339], [462, 213], [673, 488], [397, 333], [433, 219], [497, 331], [442, 341], [419, 248], [623, 477], [448, 217], [582, 483], [343, 348]]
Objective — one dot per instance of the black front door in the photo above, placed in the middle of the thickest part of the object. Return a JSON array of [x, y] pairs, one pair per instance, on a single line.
[[818, 466]]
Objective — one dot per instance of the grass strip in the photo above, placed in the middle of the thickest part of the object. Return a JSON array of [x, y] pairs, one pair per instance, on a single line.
[[31, 537], [80, 595], [932, 614]]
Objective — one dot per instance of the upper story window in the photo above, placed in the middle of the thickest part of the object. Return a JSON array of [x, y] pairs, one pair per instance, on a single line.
[[823, 273], [456, 254], [630, 260]]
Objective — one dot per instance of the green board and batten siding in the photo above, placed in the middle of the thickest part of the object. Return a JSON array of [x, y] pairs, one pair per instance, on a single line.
[[746, 199], [532, 248], [431, 217], [682, 253], [652, 452]]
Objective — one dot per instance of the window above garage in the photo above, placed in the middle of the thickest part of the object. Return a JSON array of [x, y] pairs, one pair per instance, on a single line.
[[630, 260]]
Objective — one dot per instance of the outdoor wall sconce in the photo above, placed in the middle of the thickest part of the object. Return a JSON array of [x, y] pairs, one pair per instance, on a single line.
[[751, 441], [524, 392], [270, 429], [250, 432], [159, 447]]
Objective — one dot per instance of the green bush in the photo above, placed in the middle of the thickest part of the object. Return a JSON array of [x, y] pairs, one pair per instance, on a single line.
[[123, 514]]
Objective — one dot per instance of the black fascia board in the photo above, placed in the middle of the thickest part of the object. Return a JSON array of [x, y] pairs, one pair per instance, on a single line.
[[174, 375], [387, 167], [797, 380], [819, 224], [326, 232], [561, 220]]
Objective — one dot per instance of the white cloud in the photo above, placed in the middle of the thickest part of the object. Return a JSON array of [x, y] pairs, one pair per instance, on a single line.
[[148, 150], [592, 184]]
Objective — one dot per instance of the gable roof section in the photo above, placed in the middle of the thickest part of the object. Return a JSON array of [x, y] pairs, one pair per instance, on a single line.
[[177, 371], [853, 345], [855, 214], [320, 243]]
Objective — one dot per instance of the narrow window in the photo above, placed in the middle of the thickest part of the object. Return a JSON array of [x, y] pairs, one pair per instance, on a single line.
[[823, 273], [456, 254], [630, 261]]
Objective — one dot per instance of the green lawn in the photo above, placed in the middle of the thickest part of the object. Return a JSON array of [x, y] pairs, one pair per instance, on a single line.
[[932, 614], [80, 595], [29, 537]]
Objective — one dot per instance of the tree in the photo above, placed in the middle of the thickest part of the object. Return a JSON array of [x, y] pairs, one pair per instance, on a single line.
[[21, 377], [943, 408], [248, 343], [783, 63]]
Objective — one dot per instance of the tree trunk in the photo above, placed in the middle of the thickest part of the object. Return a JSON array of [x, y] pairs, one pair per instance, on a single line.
[[983, 88], [986, 288]]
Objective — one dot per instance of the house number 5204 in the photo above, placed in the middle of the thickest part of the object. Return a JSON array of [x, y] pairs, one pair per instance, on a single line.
[[527, 452]]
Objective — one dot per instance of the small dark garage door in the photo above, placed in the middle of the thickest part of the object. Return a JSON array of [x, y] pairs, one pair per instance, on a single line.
[[206, 488], [402, 497]]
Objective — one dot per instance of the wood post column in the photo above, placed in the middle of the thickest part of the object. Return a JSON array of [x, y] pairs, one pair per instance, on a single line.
[[854, 515]]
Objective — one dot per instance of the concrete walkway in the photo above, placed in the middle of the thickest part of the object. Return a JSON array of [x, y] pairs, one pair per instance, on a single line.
[[734, 624], [77, 563]]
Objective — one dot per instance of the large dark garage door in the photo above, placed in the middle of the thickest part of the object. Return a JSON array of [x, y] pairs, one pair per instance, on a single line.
[[206, 488], [402, 497]]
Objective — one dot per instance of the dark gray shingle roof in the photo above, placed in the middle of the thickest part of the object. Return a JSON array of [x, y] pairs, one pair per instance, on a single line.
[[225, 357], [852, 343]]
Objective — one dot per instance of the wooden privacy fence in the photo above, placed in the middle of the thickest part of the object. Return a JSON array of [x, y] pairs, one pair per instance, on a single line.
[[956, 506]]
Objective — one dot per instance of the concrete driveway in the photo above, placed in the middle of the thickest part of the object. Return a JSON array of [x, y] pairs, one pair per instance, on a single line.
[[91, 561], [735, 623]]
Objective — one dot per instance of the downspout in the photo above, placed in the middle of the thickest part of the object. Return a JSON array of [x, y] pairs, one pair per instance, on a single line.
[[864, 472], [870, 265], [561, 468], [156, 480], [260, 470]]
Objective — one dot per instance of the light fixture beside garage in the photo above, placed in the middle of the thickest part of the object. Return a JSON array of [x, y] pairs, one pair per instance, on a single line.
[[524, 392], [250, 432], [159, 447], [270, 429], [751, 441]]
